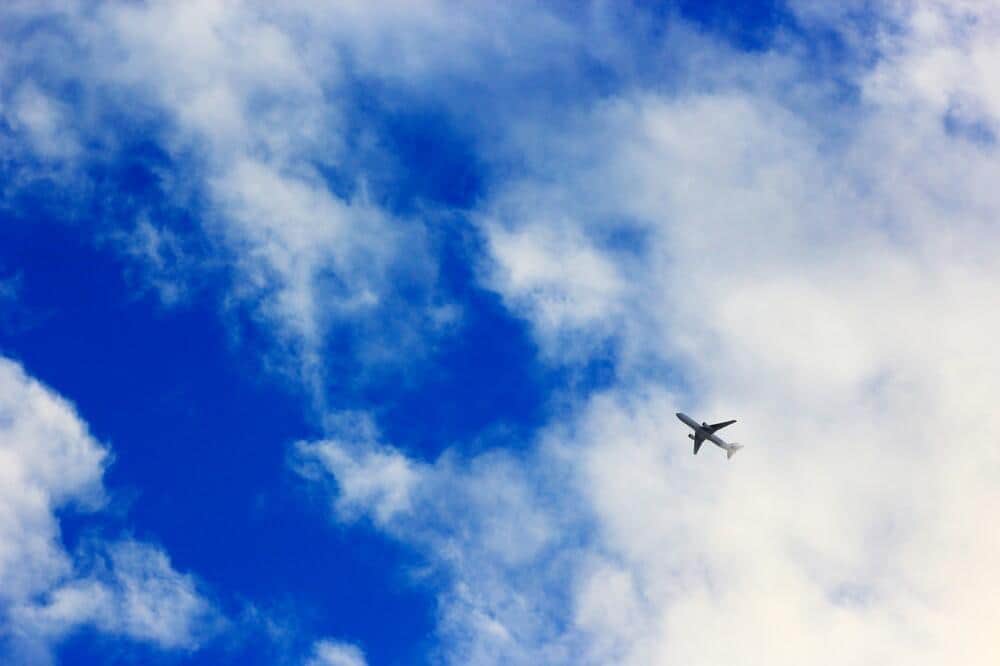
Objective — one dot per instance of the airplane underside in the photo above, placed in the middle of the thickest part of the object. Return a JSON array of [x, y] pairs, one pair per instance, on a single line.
[[707, 431]]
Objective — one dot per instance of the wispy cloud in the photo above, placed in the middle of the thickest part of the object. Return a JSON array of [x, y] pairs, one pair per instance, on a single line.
[[123, 587]]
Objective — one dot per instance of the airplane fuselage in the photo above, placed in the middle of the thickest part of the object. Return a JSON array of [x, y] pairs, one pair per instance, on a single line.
[[702, 429], [706, 432]]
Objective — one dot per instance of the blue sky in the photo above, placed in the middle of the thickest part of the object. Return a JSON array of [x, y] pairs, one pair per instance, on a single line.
[[353, 335]]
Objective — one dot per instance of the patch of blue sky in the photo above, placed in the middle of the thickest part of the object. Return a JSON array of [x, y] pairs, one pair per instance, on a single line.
[[425, 157], [978, 130], [751, 26]]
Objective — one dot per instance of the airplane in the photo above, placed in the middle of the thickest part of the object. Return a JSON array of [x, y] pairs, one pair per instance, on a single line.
[[707, 431]]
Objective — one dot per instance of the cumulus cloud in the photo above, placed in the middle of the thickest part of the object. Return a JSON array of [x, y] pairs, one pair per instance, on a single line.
[[49, 461], [372, 477], [482, 527], [818, 266], [127, 588], [419, 500]]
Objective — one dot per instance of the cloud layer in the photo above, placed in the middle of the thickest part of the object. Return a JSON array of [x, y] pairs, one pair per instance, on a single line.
[[801, 240]]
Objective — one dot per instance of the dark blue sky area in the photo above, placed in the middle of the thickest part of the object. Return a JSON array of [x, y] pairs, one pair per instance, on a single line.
[[750, 25]]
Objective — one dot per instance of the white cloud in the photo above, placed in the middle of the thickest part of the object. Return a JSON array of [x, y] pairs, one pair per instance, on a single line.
[[49, 462], [161, 258], [820, 267], [334, 653], [558, 278], [484, 499], [129, 589], [483, 527], [44, 122], [371, 477]]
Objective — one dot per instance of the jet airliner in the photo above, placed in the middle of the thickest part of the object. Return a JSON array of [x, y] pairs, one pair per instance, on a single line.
[[703, 431]]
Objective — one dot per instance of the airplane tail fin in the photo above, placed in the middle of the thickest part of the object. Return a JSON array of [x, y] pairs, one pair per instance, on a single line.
[[733, 448]]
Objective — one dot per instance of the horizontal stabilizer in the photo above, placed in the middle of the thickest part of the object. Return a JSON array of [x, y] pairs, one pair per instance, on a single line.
[[733, 448]]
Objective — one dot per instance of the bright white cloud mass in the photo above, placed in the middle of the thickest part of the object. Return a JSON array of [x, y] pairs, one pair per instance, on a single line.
[[333, 653], [805, 241], [48, 463]]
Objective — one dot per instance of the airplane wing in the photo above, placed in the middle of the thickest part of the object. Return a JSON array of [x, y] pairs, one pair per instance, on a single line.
[[698, 441], [720, 426]]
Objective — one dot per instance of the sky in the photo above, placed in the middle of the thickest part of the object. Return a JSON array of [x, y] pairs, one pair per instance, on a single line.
[[352, 333]]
